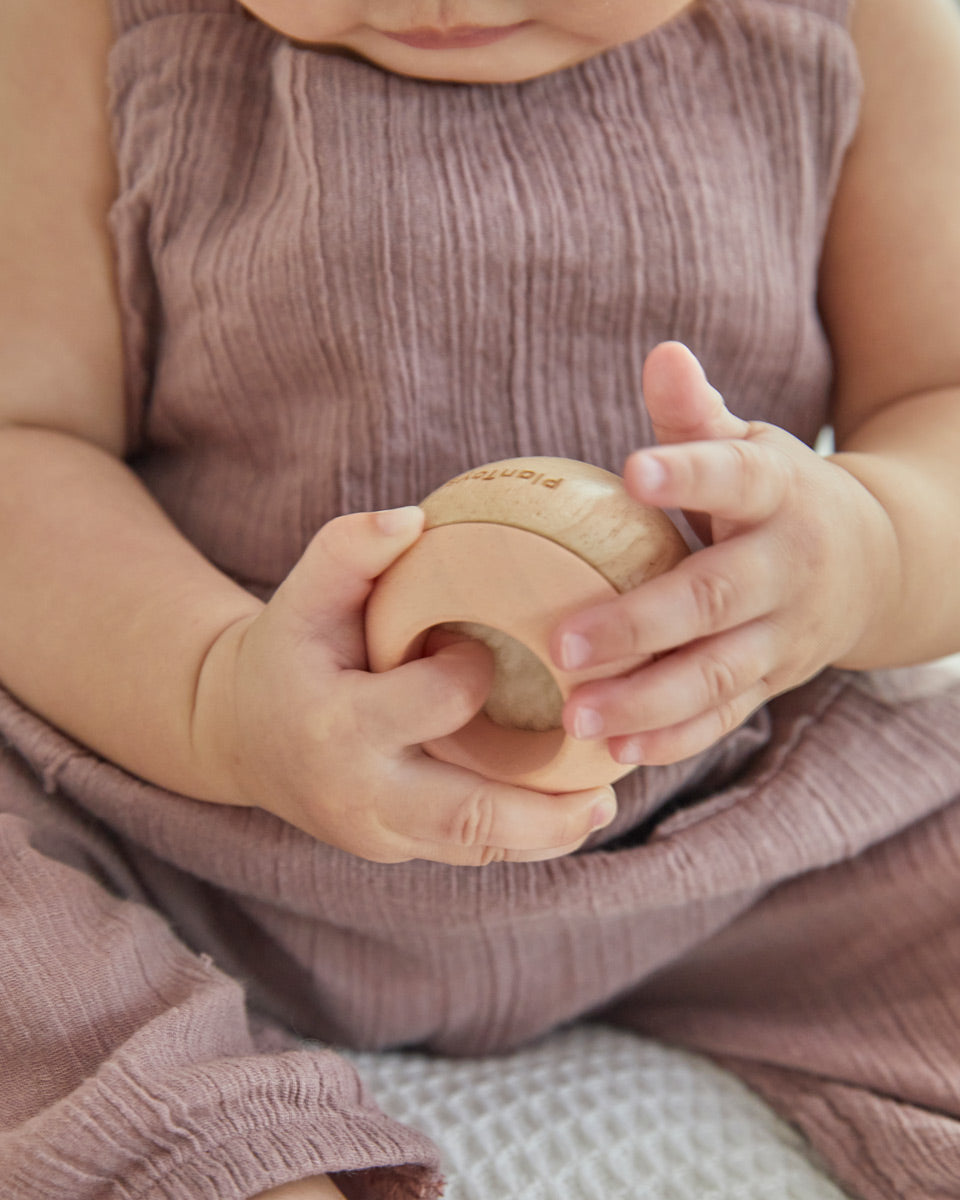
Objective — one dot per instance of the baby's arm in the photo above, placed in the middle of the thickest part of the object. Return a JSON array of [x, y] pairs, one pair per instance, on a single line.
[[115, 628], [104, 609], [850, 560], [890, 295]]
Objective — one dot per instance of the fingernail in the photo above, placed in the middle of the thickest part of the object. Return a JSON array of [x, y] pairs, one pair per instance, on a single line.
[[630, 753], [587, 723], [393, 521], [603, 813], [574, 651], [651, 474]]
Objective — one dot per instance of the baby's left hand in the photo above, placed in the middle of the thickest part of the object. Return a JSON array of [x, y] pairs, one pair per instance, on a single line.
[[799, 556]]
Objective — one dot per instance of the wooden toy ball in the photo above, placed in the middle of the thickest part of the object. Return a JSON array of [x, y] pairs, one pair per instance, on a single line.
[[508, 550]]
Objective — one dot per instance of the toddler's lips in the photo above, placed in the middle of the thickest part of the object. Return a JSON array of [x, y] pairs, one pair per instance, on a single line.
[[461, 37]]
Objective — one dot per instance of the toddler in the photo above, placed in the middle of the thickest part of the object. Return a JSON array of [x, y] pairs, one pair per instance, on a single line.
[[271, 273]]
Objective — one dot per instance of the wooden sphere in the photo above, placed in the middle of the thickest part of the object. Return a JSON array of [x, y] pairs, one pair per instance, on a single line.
[[508, 550]]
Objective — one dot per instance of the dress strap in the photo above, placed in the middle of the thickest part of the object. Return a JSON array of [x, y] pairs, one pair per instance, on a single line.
[[127, 14], [833, 10]]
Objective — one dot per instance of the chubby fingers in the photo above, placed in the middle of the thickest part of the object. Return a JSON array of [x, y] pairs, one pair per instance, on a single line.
[[430, 697], [327, 588], [714, 590], [739, 480], [445, 813], [740, 484], [710, 627], [682, 703], [448, 814], [682, 404]]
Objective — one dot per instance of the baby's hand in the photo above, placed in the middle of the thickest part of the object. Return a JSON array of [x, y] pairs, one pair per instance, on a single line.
[[288, 719], [799, 555]]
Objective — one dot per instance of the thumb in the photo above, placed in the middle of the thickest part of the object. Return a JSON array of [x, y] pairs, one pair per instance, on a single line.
[[683, 406], [329, 586], [429, 697]]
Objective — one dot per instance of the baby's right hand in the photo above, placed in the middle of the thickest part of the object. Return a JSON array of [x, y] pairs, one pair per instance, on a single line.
[[288, 718]]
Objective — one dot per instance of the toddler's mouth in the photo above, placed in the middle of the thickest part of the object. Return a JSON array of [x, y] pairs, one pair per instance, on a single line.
[[460, 37]]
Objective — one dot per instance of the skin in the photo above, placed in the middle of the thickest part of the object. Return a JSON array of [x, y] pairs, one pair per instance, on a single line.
[[851, 561], [809, 562], [559, 33], [317, 1188], [777, 596]]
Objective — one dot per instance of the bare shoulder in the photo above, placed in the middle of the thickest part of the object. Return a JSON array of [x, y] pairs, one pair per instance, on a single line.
[[891, 264], [60, 360], [906, 43]]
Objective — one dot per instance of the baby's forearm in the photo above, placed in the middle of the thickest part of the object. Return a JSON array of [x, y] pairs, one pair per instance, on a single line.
[[106, 611], [907, 456]]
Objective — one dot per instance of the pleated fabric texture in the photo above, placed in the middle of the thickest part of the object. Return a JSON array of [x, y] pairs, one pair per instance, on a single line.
[[345, 287], [340, 288]]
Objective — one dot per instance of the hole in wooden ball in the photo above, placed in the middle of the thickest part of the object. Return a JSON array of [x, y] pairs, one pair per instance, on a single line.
[[524, 694]]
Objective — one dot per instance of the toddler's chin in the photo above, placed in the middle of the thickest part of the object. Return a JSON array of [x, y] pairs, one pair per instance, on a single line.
[[528, 55]]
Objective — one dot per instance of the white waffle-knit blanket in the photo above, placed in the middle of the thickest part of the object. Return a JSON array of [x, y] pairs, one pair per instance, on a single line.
[[593, 1113]]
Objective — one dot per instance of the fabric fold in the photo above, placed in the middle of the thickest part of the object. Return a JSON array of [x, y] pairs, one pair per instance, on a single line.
[[128, 1061]]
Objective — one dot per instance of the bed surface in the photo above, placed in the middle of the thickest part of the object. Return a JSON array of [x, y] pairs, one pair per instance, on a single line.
[[593, 1113]]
